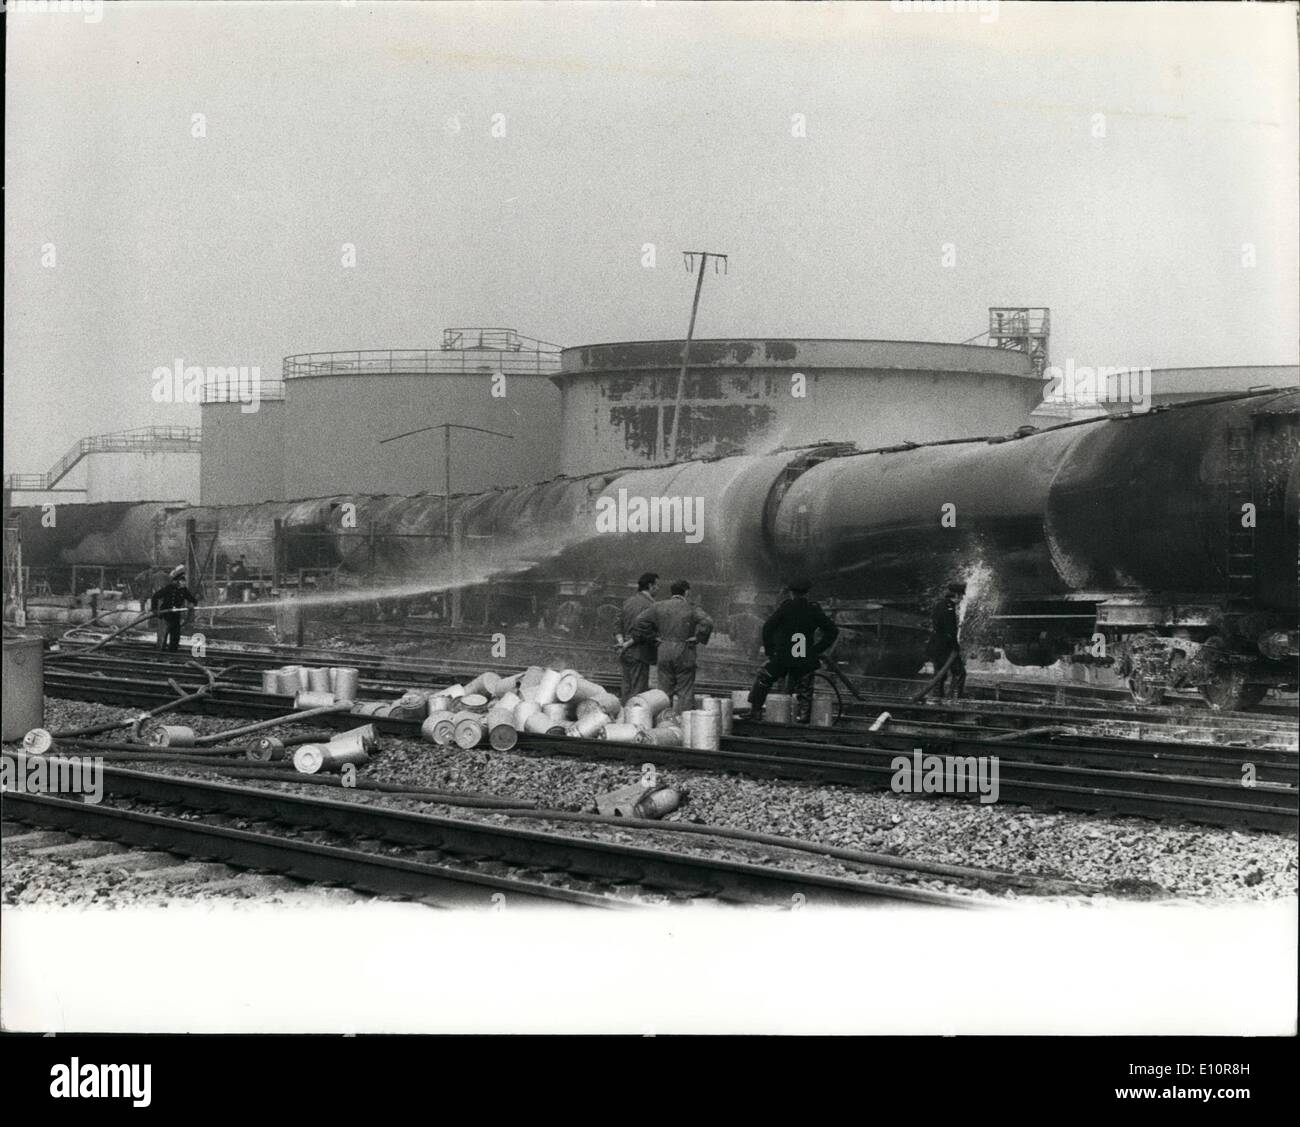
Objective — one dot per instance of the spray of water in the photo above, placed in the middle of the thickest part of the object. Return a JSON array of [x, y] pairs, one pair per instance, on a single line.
[[476, 563]]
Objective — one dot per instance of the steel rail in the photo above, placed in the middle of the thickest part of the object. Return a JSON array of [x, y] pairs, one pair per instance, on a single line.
[[590, 858]]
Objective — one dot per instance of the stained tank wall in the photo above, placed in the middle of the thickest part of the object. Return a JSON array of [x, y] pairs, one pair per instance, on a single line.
[[739, 399]]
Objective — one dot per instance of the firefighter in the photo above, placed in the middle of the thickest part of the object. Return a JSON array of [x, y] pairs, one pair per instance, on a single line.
[[795, 636], [168, 605], [943, 642], [635, 657], [680, 626]]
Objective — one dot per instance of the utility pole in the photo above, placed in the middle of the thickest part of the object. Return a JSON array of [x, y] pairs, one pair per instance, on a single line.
[[704, 256], [446, 429], [452, 534]]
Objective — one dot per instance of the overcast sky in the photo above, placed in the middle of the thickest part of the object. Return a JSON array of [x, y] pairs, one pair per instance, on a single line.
[[627, 124]]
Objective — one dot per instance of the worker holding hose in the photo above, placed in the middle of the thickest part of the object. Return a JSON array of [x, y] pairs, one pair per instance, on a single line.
[[168, 604], [795, 636], [943, 648]]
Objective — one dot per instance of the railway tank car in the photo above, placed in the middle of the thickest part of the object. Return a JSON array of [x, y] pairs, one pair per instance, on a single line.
[[1163, 544]]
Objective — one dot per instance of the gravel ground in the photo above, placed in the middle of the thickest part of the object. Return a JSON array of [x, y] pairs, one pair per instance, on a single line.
[[1126, 858]]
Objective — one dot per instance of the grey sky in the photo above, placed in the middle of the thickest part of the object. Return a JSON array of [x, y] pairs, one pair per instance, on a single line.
[[628, 124]]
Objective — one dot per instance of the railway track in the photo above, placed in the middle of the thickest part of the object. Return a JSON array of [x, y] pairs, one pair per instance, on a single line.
[[1183, 781], [444, 862], [381, 676]]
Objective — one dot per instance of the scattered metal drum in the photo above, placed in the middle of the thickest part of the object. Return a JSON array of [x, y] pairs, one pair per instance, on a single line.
[[501, 728], [510, 700], [726, 715], [639, 715], [656, 700], [567, 688], [546, 687], [780, 707], [355, 739], [524, 711], [706, 729], [469, 729], [309, 699], [610, 703], [267, 749], [591, 724], [311, 759], [439, 728], [270, 681], [657, 802], [665, 735], [538, 723], [823, 711], [37, 742], [740, 699], [318, 680], [557, 713], [473, 700], [624, 733], [172, 735], [345, 682]]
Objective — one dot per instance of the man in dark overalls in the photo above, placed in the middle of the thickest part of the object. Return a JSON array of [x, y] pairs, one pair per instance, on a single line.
[[943, 642], [795, 636], [636, 657], [679, 626], [168, 604]]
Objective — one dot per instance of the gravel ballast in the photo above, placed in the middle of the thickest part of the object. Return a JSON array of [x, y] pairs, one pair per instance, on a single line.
[[1119, 857]]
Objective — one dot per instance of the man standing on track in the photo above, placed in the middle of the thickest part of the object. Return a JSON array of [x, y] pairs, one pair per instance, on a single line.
[[680, 626], [168, 604], [795, 636], [943, 642], [636, 657]]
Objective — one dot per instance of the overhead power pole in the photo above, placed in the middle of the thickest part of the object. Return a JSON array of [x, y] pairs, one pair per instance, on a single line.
[[704, 256]]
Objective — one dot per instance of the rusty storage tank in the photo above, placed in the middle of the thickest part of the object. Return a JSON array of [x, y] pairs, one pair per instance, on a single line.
[[742, 396], [340, 405], [243, 444]]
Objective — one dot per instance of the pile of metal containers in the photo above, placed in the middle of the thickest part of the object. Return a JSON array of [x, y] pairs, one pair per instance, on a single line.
[[312, 688], [558, 702]]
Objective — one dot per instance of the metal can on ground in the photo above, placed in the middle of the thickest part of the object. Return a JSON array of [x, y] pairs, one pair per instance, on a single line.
[[780, 708]]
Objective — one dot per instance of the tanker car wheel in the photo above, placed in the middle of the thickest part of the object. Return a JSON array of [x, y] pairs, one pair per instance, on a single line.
[[1226, 688], [1145, 691]]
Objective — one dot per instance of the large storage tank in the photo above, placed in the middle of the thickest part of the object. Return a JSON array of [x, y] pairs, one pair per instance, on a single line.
[[742, 396], [243, 448], [340, 406]]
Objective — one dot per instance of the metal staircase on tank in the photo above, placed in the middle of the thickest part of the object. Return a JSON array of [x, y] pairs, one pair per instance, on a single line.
[[1240, 569], [141, 440]]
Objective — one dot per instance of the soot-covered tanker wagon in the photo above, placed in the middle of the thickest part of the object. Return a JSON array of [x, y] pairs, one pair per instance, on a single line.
[[1162, 544]]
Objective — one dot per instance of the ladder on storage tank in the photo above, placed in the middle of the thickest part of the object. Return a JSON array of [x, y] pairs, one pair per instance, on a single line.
[[1240, 569]]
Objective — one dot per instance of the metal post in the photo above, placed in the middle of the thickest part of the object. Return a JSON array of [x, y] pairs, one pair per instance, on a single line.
[[446, 479], [686, 354], [457, 536], [277, 554]]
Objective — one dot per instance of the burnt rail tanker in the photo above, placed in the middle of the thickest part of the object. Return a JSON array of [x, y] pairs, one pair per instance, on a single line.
[[1161, 544]]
